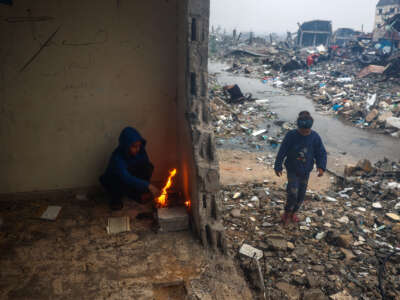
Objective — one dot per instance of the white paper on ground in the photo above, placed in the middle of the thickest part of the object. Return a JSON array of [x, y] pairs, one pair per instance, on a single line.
[[118, 224], [51, 213], [250, 251]]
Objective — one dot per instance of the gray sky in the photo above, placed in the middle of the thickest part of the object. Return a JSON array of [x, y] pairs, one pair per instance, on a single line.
[[281, 15]]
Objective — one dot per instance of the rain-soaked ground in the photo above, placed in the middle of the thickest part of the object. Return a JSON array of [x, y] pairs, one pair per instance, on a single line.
[[345, 144]]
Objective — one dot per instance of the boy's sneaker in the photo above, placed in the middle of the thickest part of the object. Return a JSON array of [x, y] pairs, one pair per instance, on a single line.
[[295, 219], [285, 218]]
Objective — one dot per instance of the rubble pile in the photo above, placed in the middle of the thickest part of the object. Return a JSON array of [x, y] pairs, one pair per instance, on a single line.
[[338, 248], [270, 61], [340, 82], [368, 102], [250, 123]]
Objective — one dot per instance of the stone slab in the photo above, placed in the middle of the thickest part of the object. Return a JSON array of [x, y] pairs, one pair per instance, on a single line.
[[173, 219], [250, 251]]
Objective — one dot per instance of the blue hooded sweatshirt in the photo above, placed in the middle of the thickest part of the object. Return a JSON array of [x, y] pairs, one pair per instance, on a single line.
[[301, 152], [121, 162]]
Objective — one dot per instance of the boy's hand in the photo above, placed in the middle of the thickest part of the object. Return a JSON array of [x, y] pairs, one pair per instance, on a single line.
[[155, 191], [278, 173], [320, 172]]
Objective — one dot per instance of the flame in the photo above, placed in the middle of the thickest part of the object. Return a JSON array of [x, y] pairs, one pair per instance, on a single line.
[[188, 203], [162, 200]]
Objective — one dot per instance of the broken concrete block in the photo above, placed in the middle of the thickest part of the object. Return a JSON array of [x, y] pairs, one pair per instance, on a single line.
[[250, 251], [277, 244], [173, 219], [236, 213]]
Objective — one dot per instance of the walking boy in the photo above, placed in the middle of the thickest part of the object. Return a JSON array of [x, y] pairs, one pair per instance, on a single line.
[[301, 148]]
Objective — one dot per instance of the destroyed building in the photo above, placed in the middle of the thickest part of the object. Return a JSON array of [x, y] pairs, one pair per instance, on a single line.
[[342, 36], [314, 33], [385, 9], [388, 35]]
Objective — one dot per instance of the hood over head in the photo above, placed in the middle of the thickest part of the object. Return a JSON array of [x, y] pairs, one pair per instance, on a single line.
[[128, 136]]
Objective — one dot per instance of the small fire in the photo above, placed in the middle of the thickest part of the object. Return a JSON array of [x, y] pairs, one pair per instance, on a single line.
[[162, 200], [188, 203]]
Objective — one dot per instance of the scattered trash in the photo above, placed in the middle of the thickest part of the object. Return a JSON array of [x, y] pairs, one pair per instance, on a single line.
[[320, 235], [51, 213], [236, 195], [118, 224], [258, 132], [330, 199]]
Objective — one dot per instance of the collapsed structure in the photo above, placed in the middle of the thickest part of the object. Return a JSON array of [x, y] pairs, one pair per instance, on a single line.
[[342, 36], [314, 33], [385, 9]]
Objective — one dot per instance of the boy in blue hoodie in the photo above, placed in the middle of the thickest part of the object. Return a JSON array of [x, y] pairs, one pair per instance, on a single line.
[[129, 170], [301, 148]]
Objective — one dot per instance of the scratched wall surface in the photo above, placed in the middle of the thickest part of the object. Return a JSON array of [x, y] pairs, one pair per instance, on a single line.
[[72, 75]]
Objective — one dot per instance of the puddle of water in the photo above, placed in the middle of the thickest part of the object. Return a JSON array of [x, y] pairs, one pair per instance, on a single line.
[[338, 137]]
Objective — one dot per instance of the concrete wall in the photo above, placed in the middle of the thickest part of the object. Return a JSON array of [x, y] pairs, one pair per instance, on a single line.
[[199, 164], [111, 64]]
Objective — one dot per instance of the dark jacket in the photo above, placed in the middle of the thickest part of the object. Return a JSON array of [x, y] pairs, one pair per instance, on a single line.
[[122, 163], [301, 152]]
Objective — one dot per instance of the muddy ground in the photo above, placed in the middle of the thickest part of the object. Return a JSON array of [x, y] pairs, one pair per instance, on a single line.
[[237, 167]]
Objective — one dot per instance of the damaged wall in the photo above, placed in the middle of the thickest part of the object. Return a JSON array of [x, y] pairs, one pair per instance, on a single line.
[[385, 9], [106, 65], [200, 163]]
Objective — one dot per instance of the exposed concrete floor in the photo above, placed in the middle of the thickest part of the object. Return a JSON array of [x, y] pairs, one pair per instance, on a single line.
[[74, 257]]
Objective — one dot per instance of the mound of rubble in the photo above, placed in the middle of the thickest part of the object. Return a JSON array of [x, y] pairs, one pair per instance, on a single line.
[[250, 123], [346, 246], [340, 81]]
